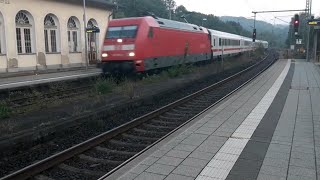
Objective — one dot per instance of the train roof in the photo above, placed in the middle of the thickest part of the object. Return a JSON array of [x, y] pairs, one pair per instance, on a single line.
[[225, 34], [166, 23]]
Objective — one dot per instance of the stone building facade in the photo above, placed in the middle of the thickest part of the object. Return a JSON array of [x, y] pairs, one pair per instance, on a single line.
[[49, 34]]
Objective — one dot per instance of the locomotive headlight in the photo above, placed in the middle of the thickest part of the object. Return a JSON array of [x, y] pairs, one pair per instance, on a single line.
[[132, 54], [119, 40], [104, 55]]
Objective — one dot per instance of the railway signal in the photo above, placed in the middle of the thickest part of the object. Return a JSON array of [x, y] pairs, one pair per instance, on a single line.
[[296, 23], [254, 35]]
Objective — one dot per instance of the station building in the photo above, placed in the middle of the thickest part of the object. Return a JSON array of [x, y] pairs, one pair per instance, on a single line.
[[49, 34]]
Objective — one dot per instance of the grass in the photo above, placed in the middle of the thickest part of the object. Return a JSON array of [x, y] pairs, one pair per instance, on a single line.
[[4, 110], [6, 127], [173, 72], [128, 88], [104, 86]]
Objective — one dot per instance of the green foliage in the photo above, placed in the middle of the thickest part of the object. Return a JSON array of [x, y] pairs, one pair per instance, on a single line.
[[104, 86], [149, 79], [177, 71], [136, 8], [258, 53], [4, 110], [173, 72]]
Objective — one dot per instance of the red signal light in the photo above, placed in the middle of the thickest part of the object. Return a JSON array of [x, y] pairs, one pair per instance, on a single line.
[[296, 22]]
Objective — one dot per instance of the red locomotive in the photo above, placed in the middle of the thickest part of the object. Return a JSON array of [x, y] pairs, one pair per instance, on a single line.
[[148, 43]]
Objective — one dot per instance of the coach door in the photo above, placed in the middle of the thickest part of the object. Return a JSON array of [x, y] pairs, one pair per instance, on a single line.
[[93, 44]]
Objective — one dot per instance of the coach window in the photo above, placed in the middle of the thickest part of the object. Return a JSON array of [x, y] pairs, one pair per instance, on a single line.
[[51, 33], [214, 42], [219, 42], [2, 41], [73, 34], [24, 32]]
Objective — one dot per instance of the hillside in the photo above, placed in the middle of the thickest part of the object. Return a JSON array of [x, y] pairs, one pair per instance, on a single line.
[[276, 35]]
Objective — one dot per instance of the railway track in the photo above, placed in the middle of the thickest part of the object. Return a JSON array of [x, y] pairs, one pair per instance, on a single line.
[[109, 151], [60, 94], [28, 96]]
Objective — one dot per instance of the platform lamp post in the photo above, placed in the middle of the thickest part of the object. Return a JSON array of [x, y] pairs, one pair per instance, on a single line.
[[85, 34]]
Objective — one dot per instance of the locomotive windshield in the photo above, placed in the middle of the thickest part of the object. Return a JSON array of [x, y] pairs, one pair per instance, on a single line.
[[122, 32]]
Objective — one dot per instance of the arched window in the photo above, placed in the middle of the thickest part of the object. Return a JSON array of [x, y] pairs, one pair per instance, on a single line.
[[51, 33], [2, 41], [24, 32], [73, 34]]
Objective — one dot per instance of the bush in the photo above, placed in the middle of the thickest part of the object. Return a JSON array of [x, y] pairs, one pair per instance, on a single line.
[[173, 72], [149, 79], [104, 86], [177, 71], [128, 88], [4, 110]]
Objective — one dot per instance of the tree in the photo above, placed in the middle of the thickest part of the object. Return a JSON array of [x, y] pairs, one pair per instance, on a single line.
[[170, 5], [136, 8]]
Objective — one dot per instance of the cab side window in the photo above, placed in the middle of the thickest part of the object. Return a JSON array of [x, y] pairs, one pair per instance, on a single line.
[[150, 34]]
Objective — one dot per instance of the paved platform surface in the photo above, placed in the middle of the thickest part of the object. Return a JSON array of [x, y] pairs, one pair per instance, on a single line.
[[20, 81], [267, 130]]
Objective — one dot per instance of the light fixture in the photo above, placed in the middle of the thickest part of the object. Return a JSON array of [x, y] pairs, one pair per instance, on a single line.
[[131, 54], [119, 40], [104, 55]]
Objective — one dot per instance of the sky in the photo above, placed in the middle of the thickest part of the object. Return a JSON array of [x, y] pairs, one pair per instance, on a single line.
[[244, 8]]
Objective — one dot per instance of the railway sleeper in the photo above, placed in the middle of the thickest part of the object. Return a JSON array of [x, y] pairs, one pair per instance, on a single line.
[[98, 160], [187, 108], [198, 107], [174, 114], [159, 127], [125, 135], [179, 110], [194, 105], [212, 94], [166, 122], [81, 171], [127, 144], [149, 132], [42, 177], [108, 150], [200, 102], [166, 117]]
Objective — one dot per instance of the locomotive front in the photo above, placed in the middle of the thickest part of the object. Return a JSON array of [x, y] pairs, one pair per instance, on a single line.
[[119, 49]]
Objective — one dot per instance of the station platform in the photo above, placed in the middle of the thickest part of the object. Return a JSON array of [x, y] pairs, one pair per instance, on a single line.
[[28, 80], [268, 130]]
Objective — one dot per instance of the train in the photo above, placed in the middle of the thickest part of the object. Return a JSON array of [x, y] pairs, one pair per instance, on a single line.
[[142, 44]]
